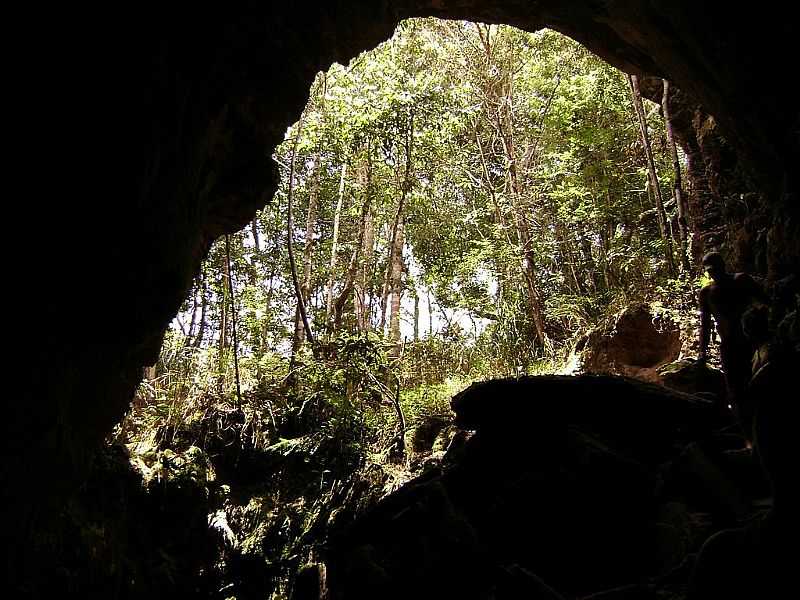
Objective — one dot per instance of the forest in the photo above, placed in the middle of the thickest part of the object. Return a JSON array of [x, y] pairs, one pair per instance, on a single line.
[[464, 203]]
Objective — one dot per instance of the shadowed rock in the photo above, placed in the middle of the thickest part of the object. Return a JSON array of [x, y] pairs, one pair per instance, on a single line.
[[559, 481]]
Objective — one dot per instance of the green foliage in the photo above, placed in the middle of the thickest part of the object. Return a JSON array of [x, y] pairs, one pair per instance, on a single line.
[[527, 193]]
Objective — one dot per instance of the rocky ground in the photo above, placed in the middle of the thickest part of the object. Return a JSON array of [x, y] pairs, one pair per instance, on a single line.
[[580, 486], [577, 485]]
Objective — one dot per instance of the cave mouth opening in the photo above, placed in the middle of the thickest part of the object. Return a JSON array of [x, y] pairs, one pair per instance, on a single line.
[[191, 154], [467, 201], [466, 183]]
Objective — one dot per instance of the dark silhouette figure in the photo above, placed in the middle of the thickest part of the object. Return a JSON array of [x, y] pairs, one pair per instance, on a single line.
[[760, 560], [726, 300], [755, 324]]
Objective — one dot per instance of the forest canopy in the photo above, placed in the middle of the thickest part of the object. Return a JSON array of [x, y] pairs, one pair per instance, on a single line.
[[462, 202]]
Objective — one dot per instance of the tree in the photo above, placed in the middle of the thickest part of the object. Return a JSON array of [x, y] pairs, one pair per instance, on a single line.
[[495, 171], [655, 186], [680, 200]]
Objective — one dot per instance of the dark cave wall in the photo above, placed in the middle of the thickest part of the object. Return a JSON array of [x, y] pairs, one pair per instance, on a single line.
[[168, 148], [161, 122]]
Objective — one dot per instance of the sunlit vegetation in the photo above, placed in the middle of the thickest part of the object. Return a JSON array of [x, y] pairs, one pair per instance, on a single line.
[[466, 201]]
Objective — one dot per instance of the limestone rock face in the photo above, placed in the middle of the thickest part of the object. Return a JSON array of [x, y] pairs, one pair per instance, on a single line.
[[634, 343]]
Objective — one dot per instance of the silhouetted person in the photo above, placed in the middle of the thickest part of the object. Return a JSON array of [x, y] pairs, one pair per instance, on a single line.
[[755, 325], [760, 560], [786, 304], [726, 299]]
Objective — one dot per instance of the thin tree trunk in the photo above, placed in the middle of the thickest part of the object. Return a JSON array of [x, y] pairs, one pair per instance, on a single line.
[[416, 315], [636, 95], [373, 273], [201, 330], [401, 420], [223, 327], [301, 306], [588, 259], [335, 245], [256, 236], [397, 226], [193, 322], [680, 201], [232, 295], [364, 243], [255, 263], [396, 286], [346, 292], [498, 213], [274, 261], [607, 230], [311, 222], [308, 247], [367, 260], [505, 123], [430, 313], [367, 236]]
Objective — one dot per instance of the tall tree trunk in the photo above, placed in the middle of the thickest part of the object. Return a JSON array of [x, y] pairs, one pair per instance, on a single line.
[[399, 219], [396, 287], [430, 313], [367, 262], [607, 229], [366, 243], [255, 275], [308, 246], [505, 125], [358, 252], [232, 294], [335, 246], [680, 201], [372, 297], [201, 329], [187, 341], [416, 315], [636, 95], [498, 212], [297, 337], [304, 295], [256, 236], [588, 260], [274, 261], [223, 327], [301, 305]]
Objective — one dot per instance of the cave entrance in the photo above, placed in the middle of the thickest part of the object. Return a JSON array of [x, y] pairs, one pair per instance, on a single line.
[[464, 202], [205, 96]]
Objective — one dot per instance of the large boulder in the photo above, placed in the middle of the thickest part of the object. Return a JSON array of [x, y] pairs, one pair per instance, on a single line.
[[556, 490], [693, 377], [634, 343]]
